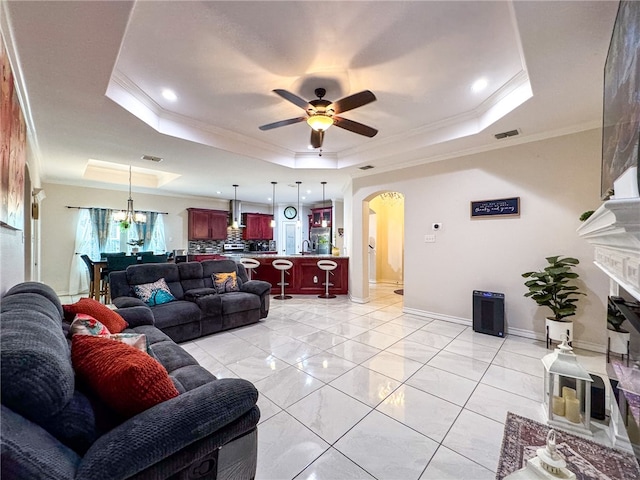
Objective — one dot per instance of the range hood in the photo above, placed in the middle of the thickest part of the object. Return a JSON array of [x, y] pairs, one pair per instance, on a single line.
[[235, 213]]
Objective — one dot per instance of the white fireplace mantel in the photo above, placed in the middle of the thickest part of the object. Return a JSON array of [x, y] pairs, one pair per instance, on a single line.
[[614, 231]]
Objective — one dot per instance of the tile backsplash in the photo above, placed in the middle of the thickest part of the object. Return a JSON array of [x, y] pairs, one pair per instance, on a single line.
[[234, 235]]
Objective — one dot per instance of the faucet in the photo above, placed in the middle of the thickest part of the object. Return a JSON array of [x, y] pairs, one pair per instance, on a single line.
[[308, 245]]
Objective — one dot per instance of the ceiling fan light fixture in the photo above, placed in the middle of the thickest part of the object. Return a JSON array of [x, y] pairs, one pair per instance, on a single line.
[[320, 121]]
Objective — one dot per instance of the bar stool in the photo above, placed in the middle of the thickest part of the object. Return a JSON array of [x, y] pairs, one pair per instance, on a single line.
[[282, 265], [327, 266], [249, 264]]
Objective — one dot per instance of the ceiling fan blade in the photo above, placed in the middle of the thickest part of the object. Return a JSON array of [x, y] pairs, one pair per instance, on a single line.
[[317, 136], [293, 98], [282, 123], [354, 127], [353, 101]]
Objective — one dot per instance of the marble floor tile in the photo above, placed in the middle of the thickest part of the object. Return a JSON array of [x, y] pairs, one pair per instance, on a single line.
[[445, 385], [481, 338], [392, 365], [231, 351], [287, 386], [514, 382], [395, 329], [376, 339], [366, 322], [477, 438], [525, 346], [444, 328], [257, 367], [411, 321], [329, 413], [385, 315], [425, 413], [267, 408], [332, 465], [472, 350], [429, 339], [294, 351], [346, 330], [323, 339], [495, 403], [521, 363], [297, 330], [286, 447], [413, 350], [460, 365], [386, 448], [354, 351], [325, 366], [366, 385], [449, 465], [267, 341]]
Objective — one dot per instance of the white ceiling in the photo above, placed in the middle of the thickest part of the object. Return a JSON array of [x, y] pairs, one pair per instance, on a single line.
[[91, 76]]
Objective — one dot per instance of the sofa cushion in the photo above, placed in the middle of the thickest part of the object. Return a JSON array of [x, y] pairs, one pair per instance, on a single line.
[[175, 313], [84, 324], [135, 340], [128, 380], [154, 293], [209, 267], [191, 275], [151, 272], [211, 305], [109, 318], [40, 289], [234, 302], [225, 282]]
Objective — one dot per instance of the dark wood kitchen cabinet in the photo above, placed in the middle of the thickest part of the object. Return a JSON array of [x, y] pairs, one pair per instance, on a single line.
[[319, 214], [257, 226], [207, 224]]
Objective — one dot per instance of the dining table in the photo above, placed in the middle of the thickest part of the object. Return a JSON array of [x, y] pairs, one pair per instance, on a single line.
[[98, 266]]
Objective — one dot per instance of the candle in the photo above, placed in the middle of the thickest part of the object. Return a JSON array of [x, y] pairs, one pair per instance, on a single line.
[[558, 405], [568, 392], [572, 409]]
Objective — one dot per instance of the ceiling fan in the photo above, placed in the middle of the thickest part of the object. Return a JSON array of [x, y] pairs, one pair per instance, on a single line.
[[321, 114]]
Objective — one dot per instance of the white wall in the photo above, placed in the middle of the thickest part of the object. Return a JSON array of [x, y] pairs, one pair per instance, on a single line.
[[556, 179]]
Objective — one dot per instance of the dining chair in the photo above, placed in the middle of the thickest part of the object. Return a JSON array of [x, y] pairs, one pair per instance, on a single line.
[[145, 253], [154, 258], [112, 254], [102, 286], [117, 263]]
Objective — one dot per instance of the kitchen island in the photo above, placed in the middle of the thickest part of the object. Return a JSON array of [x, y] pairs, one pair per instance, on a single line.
[[305, 277]]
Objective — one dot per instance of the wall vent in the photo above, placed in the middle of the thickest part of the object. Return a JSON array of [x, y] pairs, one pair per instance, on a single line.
[[510, 133], [151, 158], [366, 167]]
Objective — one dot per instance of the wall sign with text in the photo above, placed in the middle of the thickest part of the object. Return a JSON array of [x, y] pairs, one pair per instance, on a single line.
[[503, 207]]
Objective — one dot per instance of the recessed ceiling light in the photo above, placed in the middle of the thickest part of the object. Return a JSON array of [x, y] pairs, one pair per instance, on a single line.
[[308, 191], [479, 85], [304, 198], [169, 95], [218, 192], [268, 199]]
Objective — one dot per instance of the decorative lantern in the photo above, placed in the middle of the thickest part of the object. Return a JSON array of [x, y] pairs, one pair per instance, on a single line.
[[547, 463], [566, 407]]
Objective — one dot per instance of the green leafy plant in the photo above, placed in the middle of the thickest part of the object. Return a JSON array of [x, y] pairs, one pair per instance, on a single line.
[[585, 216], [615, 318], [124, 225], [550, 287]]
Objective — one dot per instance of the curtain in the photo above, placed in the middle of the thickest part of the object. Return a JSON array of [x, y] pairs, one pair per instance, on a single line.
[[145, 230], [86, 243], [101, 220]]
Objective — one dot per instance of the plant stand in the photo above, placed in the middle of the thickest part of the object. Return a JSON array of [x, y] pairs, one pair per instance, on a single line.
[[556, 330], [618, 342]]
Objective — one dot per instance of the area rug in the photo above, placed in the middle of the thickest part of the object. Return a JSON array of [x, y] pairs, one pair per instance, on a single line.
[[587, 459], [399, 292]]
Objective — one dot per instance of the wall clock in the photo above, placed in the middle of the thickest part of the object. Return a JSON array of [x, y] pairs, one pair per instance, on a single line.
[[290, 212]]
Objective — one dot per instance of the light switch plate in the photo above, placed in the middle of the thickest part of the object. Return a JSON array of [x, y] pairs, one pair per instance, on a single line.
[[429, 239]]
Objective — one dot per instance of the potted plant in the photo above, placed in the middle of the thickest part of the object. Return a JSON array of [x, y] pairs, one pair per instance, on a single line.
[[135, 244], [551, 288], [618, 338]]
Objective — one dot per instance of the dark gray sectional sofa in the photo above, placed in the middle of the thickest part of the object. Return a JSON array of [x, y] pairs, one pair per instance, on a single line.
[[198, 310], [53, 427]]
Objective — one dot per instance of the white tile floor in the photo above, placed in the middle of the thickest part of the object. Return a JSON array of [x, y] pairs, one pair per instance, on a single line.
[[351, 391]]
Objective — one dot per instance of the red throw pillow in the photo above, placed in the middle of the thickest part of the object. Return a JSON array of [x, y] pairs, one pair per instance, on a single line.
[[109, 318], [126, 379]]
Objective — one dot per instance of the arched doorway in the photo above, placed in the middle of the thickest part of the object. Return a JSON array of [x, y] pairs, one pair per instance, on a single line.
[[385, 241]]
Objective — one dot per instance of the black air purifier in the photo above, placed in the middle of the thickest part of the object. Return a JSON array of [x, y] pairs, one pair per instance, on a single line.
[[488, 313]]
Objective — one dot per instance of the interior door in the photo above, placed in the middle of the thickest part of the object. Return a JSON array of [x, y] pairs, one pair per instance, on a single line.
[[290, 240]]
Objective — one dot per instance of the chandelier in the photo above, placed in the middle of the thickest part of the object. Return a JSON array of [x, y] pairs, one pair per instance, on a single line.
[[128, 217], [392, 197]]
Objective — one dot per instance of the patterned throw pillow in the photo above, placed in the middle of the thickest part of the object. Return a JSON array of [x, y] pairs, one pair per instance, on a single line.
[[225, 282], [109, 318], [84, 324], [126, 379], [135, 340], [155, 293]]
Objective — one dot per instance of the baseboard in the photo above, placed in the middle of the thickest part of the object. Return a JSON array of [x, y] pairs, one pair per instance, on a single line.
[[359, 299], [518, 332]]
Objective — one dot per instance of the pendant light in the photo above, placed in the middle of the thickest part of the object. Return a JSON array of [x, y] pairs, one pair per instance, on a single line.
[[324, 220], [298, 222], [273, 206], [129, 216], [235, 202]]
